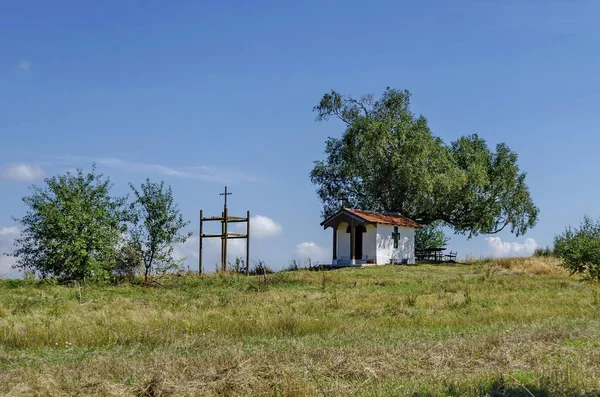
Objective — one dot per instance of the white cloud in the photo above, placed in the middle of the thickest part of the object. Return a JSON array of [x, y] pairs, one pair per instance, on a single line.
[[188, 251], [22, 172], [203, 173], [498, 248], [7, 238], [312, 251], [261, 227], [24, 65], [211, 254]]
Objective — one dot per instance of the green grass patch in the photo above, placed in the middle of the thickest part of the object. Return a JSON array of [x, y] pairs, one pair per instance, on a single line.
[[525, 328]]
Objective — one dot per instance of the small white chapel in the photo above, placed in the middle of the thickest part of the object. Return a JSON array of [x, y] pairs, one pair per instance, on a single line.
[[371, 238]]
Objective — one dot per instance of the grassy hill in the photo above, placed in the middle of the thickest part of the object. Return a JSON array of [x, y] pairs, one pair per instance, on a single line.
[[510, 327]]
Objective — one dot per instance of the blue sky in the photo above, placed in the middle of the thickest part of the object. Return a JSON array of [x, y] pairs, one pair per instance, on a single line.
[[203, 94]]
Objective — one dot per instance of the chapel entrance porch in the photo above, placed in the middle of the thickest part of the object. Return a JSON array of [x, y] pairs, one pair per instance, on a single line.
[[354, 242]]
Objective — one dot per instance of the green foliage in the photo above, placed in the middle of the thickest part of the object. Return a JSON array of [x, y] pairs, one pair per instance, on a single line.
[[156, 224], [579, 249], [430, 236], [389, 160], [129, 262], [71, 228], [543, 251]]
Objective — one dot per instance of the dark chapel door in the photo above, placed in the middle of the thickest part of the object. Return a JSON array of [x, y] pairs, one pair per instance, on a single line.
[[358, 240]]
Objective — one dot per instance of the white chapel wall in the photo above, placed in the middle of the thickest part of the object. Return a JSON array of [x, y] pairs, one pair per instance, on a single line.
[[370, 243], [343, 240], [385, 244]]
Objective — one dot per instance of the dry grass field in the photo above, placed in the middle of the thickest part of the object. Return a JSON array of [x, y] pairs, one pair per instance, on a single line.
[[514, 327]]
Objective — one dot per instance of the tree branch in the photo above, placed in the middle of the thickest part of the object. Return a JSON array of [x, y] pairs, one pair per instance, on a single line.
[[359, 104], [339, 116]]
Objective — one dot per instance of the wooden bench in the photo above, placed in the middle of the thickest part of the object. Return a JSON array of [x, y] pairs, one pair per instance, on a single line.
[[451, 256]]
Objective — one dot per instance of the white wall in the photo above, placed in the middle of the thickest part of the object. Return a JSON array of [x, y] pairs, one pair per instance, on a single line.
[[343, 241], [370, 243], [385, 244]]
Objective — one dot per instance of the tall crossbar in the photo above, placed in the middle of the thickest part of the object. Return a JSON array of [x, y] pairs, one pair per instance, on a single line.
[[225, 219]]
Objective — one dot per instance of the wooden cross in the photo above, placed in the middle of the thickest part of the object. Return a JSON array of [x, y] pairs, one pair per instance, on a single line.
[[396, 236], [344, 201], [224, 232], [225, 194]]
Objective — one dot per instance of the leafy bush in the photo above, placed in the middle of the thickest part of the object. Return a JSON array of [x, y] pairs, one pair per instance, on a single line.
[[579, 249], [430, 236], [543, 251], [71, 228]]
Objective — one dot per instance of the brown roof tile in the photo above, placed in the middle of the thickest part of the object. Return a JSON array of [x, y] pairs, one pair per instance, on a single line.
[[389, 218]]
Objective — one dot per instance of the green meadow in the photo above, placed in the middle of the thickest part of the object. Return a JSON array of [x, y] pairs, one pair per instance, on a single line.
[[513, 327]]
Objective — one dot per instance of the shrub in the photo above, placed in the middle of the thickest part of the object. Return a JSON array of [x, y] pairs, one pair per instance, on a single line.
[[260, 267], [430, 236], [543, 251], [71, 227], [579, 249]]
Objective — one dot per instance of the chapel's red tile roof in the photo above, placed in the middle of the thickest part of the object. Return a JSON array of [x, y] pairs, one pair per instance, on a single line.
[[388, 218]]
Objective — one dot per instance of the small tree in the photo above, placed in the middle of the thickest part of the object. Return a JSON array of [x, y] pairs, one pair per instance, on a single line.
[[430, 236], [72, 227], [156, 224], [579, 249]]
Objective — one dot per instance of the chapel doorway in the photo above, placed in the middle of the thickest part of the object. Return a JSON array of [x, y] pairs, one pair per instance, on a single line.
[[358, 240]]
